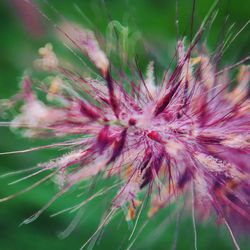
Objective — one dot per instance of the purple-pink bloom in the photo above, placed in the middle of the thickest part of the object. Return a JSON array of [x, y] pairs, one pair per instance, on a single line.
[[188, 134]]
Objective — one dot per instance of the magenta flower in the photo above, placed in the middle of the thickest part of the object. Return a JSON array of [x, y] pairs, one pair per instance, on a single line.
[[187, 135]]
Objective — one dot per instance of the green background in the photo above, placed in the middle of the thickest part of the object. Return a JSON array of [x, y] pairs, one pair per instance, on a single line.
[[18, 48]]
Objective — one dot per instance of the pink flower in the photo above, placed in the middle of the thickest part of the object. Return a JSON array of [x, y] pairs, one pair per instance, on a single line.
[[188, 134]]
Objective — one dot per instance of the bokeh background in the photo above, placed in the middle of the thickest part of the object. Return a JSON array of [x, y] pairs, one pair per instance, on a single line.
[[22, 32]]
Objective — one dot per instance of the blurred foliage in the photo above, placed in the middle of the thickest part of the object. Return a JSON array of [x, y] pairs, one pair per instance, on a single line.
[[155, 20]]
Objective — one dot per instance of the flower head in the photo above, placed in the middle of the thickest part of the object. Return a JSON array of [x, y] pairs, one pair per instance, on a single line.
[[187, 134]]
